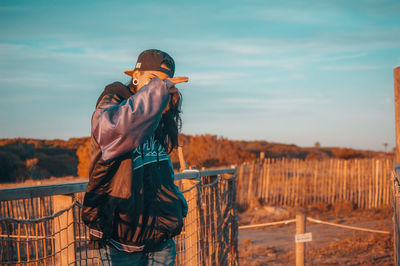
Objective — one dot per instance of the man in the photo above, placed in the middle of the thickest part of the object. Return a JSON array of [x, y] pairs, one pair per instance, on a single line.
[[131, 203]]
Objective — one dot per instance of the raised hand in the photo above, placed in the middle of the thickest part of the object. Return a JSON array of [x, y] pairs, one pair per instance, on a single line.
[[170, 82]]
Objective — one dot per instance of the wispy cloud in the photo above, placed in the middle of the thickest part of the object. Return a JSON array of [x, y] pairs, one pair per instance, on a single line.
[[269, 103], [345, 56], [350, 67], [304, 16], [240, 47], [23, 81], [288, 53], [23, 98], [215, 78], [277, 79]]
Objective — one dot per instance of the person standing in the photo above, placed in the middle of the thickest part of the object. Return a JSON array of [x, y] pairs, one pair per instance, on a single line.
[[131, 203]]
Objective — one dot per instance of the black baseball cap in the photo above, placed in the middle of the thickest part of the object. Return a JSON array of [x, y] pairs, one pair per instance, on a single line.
[[152, 59]]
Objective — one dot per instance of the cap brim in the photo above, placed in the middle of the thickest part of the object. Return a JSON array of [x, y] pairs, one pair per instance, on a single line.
[[129, 72]]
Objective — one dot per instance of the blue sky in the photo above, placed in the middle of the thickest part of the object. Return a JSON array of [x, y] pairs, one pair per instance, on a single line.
[[282, 71]]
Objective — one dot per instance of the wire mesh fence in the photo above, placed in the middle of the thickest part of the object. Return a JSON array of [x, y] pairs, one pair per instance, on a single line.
[[48, 230]]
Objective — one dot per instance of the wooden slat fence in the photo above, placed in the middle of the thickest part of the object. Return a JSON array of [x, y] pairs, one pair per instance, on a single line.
[[292, 182]]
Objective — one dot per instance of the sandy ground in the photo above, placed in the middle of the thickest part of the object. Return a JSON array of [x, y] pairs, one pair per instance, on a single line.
[[274, 245]]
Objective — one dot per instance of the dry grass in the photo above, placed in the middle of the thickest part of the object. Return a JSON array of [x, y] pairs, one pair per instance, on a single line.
[[358, 249], [332, 246]]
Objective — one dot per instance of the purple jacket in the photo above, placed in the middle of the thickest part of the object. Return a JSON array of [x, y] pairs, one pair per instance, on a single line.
[[120, 127]]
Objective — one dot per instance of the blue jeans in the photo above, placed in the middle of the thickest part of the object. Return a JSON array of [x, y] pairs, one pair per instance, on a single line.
[[165, 255]]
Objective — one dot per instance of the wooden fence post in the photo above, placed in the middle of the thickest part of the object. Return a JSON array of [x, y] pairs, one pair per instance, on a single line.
[[250, 193], [192, 227], [386, 184], [316, 178], [396, 78], [264, 193], [64, 236], [396, 225], [182, 162], [240, 176], [377, 188], [300, 246]]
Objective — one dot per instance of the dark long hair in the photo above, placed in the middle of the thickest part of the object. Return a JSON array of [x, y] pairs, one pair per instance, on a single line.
[[170, 124]]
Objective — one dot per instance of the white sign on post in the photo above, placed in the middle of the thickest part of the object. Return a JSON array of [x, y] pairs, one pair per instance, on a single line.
[[300, 238]]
